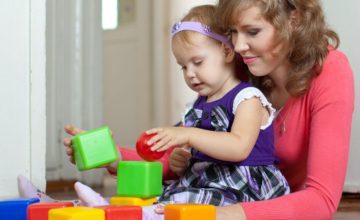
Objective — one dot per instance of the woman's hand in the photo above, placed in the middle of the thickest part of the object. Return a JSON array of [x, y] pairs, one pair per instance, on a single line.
[[179, 160], [71, 130], [231, 212]]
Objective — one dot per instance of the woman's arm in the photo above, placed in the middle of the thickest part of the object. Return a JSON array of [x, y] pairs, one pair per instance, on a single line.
[[328, 109]]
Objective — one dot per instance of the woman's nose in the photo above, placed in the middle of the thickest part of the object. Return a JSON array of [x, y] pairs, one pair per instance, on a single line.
[[240, 45]]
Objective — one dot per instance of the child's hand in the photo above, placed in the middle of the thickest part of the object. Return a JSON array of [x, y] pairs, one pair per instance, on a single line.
[[167, 137], [71, 130], [179, 160]]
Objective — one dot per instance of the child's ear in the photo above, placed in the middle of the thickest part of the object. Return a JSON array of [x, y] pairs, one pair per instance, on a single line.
[[229, 53]]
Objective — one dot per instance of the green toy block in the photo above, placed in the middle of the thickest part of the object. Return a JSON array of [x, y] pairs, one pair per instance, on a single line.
[[139, 179], [94, 148]]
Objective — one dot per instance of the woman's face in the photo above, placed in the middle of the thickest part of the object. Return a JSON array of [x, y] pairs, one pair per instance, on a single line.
[[255, 40]]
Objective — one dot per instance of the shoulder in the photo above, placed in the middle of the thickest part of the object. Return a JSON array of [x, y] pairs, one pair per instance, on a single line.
[[336, 66], [253, 92], [335, 81]]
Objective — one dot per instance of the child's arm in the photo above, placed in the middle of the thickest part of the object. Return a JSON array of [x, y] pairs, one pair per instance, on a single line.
[[230, 146]]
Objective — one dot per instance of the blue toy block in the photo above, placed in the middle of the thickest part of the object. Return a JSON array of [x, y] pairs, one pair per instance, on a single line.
[[15, 209]]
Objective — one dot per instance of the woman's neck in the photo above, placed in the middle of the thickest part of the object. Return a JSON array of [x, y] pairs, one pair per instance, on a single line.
[[279, 95]]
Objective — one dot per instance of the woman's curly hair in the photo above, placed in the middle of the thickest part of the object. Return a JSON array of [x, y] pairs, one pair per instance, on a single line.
[[310, 38]]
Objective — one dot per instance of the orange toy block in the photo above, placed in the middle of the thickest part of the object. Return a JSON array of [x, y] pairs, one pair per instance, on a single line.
[[113, 212], [77, 213], [189, 212], [134, 201], [40, 211]]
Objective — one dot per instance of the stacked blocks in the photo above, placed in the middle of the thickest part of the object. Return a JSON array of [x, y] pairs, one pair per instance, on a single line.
[[139, 179], [94, 148], [77, 213], [138, 183], [132, 201], [189, 212], [40, 211], [15, 209], [122, 212]]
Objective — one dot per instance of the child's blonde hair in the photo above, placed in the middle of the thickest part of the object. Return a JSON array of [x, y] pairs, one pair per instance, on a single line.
[[206, 14], [309, 40]]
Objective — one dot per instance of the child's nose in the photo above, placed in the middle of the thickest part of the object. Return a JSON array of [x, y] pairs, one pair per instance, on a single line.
[[190, 73]]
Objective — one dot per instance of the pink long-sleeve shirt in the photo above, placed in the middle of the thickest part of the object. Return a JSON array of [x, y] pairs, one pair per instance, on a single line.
[[313, 150]]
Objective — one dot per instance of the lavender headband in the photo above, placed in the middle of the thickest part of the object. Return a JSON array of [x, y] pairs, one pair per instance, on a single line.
[[200, 28]]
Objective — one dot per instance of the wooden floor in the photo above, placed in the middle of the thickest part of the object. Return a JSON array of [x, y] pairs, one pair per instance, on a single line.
[[349, 208]]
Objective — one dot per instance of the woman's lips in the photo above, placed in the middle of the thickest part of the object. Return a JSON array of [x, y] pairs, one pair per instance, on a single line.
[[248, 60]]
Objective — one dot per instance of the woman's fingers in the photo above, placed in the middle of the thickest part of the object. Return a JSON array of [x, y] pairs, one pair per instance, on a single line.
[[72, 130]]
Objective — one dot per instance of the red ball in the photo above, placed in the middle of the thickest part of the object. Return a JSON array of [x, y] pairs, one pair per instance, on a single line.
[[144, 150]]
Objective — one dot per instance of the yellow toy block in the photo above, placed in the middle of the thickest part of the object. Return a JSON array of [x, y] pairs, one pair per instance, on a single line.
[[189, 212], [119, 200], [77, 213]]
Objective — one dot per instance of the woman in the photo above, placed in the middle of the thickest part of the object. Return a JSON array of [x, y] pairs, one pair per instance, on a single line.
[[292, 54], [293, 59]]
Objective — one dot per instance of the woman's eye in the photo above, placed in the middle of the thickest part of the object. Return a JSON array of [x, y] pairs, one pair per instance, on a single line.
[[253, 32]]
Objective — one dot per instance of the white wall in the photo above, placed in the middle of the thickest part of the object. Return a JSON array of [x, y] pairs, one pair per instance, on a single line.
[[343, 17], [22, 93], [180, 93]]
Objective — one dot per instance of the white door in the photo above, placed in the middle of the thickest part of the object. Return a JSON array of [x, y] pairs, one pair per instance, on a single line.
[[74, 80], [128, 72]]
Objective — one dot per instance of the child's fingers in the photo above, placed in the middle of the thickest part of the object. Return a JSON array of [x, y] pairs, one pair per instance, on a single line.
[[152, 131], [159, 209], [161, 144]]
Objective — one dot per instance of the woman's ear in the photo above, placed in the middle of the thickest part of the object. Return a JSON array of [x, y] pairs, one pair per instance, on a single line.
[[294, 19], [229, 53]]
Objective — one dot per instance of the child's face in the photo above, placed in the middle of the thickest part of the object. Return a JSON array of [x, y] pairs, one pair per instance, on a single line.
[[203, 62], [255, 40]]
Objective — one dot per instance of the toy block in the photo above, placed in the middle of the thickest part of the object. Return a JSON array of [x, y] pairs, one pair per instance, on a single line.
[[15, 209], [139, 179], [189, 212], [77, 213], [113, 212], [94, 148], [132, 201], [40, 211]]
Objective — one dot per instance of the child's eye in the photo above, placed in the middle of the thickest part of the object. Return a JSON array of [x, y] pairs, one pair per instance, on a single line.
[[198, 62], [230, 32], [183, 68]]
